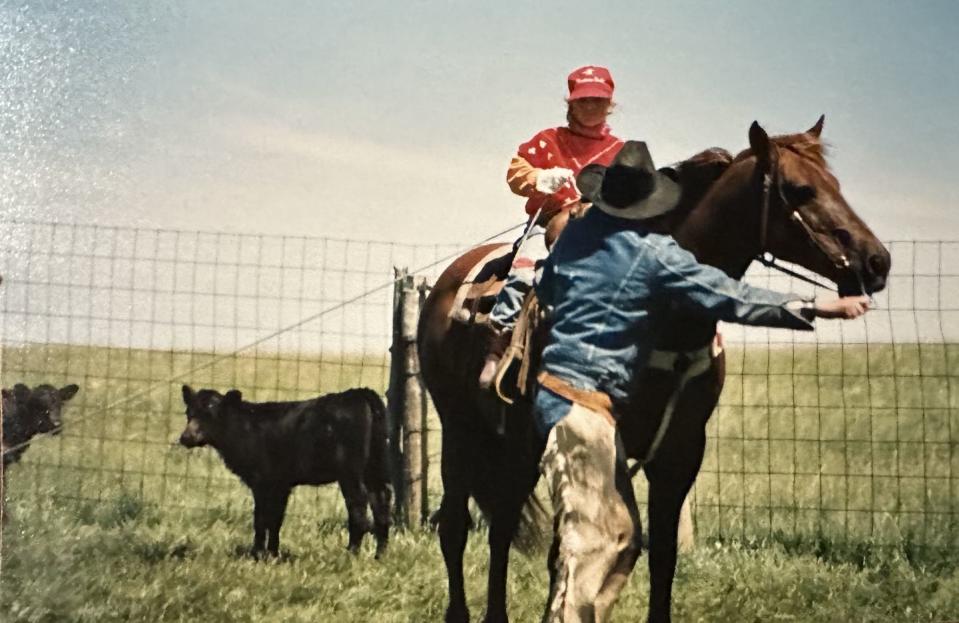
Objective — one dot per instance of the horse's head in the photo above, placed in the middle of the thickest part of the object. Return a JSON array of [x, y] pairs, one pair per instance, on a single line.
[[806, 220]]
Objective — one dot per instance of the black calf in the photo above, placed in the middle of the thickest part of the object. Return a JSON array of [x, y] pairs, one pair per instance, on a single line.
[[26, 413], [275, 446]]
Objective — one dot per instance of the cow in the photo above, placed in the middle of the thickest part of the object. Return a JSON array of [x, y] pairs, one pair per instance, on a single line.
[[27, 413], [275, 446]]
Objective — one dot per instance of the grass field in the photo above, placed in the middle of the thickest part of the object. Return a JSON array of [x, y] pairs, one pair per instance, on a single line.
[[120, 562], [827, 494]]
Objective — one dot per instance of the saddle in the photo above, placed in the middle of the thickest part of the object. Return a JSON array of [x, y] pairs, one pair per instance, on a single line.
[[476, 295], [473, 302]]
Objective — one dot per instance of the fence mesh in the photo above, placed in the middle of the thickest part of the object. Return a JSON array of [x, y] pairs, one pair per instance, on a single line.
[[132, 314], [848, 433]]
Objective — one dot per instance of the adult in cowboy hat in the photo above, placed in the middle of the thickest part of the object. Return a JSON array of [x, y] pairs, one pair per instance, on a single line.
[[604, 278]]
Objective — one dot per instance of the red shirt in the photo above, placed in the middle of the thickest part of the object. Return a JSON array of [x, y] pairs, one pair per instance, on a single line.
[[562, 147]]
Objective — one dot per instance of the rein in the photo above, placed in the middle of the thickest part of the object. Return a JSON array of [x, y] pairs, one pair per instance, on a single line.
[[769, 260]]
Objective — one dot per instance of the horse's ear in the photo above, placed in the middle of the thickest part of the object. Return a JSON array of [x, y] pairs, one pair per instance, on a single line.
[[816, 130], [761, 146]]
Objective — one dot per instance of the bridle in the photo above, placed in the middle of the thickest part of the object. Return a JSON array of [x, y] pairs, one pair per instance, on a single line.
[[773, 179]]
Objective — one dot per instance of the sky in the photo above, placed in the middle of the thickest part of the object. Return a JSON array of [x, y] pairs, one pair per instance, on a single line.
[[395, 121]]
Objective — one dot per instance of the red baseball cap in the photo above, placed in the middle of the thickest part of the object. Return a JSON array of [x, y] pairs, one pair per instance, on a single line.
[[590, 81]]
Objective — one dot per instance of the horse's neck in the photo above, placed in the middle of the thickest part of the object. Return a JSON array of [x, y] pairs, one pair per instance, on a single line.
[[723, 229]]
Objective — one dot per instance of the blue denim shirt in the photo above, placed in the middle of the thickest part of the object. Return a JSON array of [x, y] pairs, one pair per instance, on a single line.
[[604, 279]]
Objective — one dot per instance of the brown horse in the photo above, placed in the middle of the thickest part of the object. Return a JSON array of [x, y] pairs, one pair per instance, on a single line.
[[779, 197]]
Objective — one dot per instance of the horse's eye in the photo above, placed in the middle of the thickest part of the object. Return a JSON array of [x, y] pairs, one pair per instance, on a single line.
[[798, 194], [843, 236]]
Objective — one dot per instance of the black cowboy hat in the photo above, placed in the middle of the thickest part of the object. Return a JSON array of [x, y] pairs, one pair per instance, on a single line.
[[630, 187]]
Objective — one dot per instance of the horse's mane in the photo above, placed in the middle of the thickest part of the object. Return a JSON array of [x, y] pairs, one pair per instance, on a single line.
[[695, 175], [707, 157]]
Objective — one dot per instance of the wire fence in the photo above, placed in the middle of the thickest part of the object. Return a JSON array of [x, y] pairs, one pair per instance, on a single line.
[[850, 432], [132, 314]]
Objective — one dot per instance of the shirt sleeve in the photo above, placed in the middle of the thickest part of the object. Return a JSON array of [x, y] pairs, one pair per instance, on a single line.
[[521, 177], [708, 290]]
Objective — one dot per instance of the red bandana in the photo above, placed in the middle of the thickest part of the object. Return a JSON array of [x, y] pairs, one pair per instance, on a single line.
[[601, 130]]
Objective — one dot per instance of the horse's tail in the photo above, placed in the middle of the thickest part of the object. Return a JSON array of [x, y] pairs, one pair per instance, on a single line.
[[534, 528]]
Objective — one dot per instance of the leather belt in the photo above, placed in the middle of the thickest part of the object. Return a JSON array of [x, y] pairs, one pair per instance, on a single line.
[[596, 401]]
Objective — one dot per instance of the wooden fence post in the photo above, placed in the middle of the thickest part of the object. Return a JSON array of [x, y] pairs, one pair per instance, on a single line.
[[423, 287], [407, 426], [394, 395], [412, 422]]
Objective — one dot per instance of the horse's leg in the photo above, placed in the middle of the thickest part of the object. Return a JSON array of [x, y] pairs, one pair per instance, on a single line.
[[503, 523], [454, 520], [669, 482]]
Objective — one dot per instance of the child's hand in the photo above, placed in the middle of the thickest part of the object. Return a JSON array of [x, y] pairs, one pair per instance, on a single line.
[[549, 181]]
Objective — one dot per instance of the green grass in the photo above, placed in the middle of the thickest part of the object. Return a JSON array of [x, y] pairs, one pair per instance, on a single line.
[[853, 442], [829, 481], [116, 561]]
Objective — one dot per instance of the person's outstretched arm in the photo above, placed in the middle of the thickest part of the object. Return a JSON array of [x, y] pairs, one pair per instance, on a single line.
[[712, 292]]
